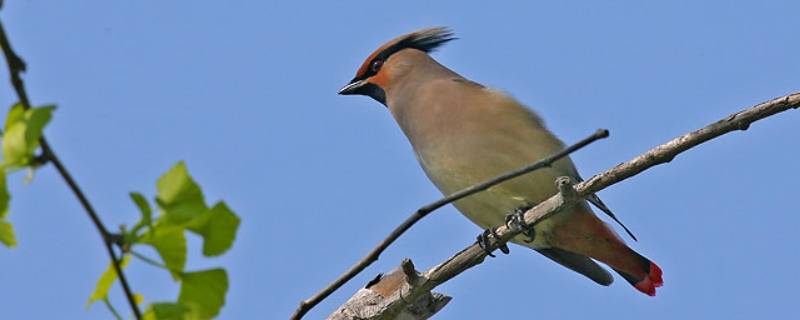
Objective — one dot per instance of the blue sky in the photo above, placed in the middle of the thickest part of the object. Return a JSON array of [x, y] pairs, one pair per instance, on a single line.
[[245, 92]]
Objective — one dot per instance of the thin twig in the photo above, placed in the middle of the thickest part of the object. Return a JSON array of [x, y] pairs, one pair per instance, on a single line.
[[666, 152], [111, 307], [569, 194], [306, 305], [15, 67], [153, 262]]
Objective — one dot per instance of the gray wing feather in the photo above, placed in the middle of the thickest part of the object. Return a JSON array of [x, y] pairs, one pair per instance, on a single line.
[[595, 200], [580, 264]]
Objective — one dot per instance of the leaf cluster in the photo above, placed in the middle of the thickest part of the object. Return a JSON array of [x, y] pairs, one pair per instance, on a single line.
[[21, 134], [180, 208]]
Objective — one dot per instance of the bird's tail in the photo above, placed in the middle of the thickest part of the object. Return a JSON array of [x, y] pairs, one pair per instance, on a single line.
[[587, 235], [645, 278]]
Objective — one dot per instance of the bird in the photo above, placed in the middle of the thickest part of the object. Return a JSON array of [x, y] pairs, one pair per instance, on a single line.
[[464, 133]]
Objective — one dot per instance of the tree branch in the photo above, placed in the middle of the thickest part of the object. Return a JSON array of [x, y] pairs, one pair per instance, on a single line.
[[15, 67], [404, 296], [306, 305], [379, 299]]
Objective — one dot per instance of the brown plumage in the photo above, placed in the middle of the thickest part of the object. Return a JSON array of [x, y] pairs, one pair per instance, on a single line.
[[464, 133]]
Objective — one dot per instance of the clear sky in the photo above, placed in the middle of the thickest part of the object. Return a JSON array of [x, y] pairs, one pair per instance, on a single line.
[[245, 92]]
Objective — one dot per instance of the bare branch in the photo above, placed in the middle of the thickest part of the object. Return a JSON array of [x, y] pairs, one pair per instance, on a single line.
[[569, 194], [386, 297], [306, 305], [16, 66], [667, 151]]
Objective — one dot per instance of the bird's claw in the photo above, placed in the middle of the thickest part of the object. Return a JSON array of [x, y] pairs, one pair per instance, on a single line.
[[485, 239], [516, 221]]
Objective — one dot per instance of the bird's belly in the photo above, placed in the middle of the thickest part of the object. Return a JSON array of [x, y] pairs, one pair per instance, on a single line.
[[488, 210], [490, 207]]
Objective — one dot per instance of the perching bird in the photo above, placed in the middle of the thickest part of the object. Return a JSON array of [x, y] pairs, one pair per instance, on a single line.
[[464, 133]]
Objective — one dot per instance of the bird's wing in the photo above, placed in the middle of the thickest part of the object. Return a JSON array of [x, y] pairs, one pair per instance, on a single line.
[[595, 200], [580, 264]]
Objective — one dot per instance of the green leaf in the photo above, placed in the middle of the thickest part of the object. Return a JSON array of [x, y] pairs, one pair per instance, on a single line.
[[167, 311], [105, 281], [15, 114], [14, 144], [218, 228], [179, 196], [6, 229], [204, 291], [22, 132], [37, 119], [144, 206], [7, 234], [145, 210], [170, 243], [5, 197]]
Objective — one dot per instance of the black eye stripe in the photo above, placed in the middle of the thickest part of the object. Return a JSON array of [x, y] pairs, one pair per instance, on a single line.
[[425, 40]]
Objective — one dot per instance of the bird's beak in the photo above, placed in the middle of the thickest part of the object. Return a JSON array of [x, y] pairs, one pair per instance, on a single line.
[[353, 87], [366, 88]]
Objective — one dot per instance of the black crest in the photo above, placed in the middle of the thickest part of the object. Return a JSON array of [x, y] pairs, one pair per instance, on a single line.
[[426, 39]]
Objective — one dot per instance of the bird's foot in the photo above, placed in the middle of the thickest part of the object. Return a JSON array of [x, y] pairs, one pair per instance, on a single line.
[[516, 221], [485, 239]]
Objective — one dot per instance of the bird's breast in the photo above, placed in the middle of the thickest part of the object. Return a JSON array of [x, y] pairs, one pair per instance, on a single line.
[[464, 134]]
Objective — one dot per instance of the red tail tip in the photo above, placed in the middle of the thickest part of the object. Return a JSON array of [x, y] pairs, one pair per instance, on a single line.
[[653, 280]]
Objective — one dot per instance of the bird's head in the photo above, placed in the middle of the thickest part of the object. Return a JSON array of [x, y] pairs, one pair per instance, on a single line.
[[384, 65]]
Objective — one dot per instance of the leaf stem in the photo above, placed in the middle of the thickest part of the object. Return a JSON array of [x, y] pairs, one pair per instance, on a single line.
[[111, 308], [152, 261]]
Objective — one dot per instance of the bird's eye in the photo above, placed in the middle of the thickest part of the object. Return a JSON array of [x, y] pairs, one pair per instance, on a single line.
[[376, 65]]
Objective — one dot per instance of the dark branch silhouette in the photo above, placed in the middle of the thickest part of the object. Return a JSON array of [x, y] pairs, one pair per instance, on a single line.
[[16, 66]]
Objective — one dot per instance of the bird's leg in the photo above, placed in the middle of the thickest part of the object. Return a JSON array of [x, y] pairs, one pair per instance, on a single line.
[[516, 221], [485, 238]]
